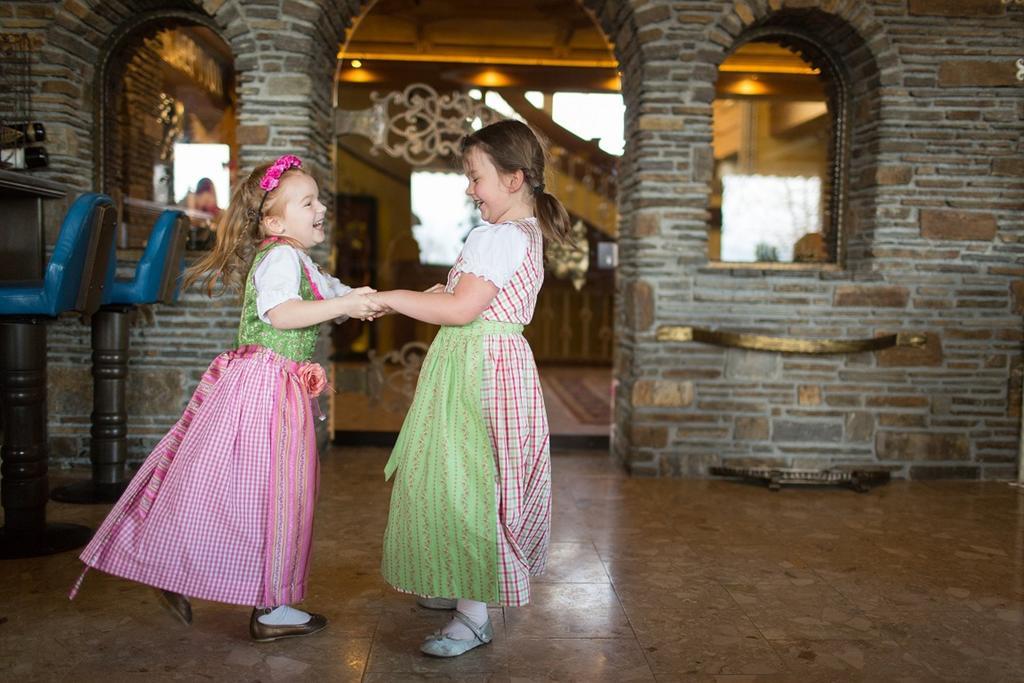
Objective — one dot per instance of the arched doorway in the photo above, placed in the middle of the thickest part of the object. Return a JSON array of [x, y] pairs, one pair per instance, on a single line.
[[165, 121], [412, 78]]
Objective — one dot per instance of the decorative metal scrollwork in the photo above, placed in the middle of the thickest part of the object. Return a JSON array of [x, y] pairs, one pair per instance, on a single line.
[[571, 261], [402, 379], [758, 342], [371, 123], [419, 125], [426, 126]]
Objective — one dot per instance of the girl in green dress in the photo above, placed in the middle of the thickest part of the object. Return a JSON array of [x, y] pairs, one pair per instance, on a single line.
[[470, 510]]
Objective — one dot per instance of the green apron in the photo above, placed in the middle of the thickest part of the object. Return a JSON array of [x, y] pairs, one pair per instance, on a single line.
[[441, 538]]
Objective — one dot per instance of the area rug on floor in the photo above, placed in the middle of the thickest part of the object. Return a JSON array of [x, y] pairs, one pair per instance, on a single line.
[[587, 406]]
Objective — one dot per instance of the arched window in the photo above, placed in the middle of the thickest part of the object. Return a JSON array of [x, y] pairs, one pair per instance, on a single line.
[[165, 121], [780, 141]]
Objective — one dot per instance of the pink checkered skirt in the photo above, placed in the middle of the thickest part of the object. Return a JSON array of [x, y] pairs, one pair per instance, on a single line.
[[222, 509]]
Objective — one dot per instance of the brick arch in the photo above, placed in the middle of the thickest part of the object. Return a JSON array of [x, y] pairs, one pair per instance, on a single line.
[[858, 16], [861, 48], [283, 104], [285, 57], [121, 40], [284, 65], [76, 49], [616, 19]]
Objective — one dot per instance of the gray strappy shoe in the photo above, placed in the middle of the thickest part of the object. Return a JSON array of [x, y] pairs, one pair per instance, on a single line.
[[440, 645]]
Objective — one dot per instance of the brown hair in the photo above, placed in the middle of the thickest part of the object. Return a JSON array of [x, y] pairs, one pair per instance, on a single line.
[[512, 146], [238, 233]]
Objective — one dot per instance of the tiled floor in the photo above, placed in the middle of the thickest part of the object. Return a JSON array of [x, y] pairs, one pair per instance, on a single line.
[[664, 580]]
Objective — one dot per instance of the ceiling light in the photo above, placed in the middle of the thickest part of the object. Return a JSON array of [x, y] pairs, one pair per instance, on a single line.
[[489, 78]]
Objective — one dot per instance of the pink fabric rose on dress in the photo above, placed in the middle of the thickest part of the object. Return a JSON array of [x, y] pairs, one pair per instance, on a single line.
[[313, 377]]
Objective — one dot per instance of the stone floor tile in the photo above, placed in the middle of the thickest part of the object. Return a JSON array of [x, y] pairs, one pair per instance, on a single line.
[[574, 660], [573, 563], [569, 610], [676, 580], [812, 611], [710, 641]]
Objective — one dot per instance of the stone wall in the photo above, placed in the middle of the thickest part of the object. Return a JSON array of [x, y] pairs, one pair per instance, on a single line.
[[285, 57], [284, 60], [134, 144], [932, 242]]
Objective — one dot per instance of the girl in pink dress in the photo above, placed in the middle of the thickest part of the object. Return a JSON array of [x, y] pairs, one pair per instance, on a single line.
[[471, 504], [222, 509]]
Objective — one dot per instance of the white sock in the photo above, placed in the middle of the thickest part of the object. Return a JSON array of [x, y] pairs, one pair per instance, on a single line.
[[284, 616], [475, 611]]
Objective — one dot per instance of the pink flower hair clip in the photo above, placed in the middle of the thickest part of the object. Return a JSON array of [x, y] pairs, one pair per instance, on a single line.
[[272, 177]]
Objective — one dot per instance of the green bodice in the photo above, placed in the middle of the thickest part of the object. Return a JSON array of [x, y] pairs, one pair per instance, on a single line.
[[297, 344]]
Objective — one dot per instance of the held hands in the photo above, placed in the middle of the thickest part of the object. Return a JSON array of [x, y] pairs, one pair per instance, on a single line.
[[360, 303], [377, 302]]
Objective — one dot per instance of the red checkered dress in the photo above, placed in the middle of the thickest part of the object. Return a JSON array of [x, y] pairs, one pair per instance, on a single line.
[[517, 424]]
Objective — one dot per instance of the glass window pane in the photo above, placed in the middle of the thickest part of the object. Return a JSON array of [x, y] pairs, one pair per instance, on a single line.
[[443, 213], [763, 217], [592, 116], [193, 163]]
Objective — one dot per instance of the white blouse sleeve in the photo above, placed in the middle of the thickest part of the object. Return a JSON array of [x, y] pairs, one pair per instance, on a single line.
[[328, 285], [335, 287], [494, 253], [277, 279]]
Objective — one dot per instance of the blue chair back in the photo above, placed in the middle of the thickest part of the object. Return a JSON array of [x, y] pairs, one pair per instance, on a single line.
[[77, 268], [175, 224], [159, 270]]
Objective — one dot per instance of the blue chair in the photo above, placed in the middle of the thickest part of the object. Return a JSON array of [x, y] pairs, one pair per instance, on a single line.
[[81, 253], [73, 281], [156, 280], [158, 274]]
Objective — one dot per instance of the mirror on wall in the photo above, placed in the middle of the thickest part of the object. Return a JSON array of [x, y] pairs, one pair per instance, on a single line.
[[771, 137], [168, 128]]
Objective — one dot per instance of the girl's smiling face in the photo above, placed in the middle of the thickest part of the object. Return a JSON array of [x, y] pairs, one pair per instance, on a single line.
[[301, 216], [489, 189]]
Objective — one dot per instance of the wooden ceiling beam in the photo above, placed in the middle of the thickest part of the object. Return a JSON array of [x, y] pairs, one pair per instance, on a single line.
[[497, 56], [548, 78], [455, 76], [803, 88]]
